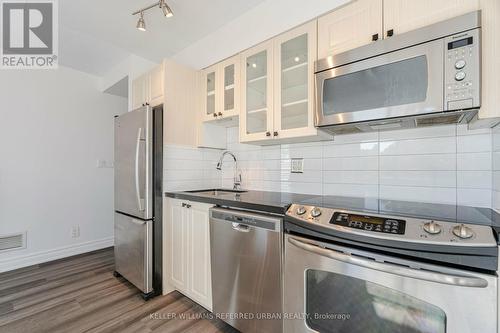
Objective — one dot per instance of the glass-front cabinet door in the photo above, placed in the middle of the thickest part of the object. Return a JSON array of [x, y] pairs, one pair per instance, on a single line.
[[229, 86], [256, 118], [210, 96], [295, 53]]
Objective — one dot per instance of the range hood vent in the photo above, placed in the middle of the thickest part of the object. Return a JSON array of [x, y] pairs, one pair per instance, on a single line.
[[434, 119]]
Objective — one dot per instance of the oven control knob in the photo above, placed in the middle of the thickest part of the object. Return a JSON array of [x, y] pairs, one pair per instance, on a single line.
[[432, 228], [460, 76], [460, 64], [301, 210], [315, 212], [462, 231]]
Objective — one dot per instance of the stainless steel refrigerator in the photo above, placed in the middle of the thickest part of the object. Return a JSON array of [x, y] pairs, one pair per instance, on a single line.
[[138, 198]]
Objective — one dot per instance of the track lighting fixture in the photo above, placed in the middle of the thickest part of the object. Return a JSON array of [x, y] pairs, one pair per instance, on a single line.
[[162, 4], [141, 24], [166, 9]]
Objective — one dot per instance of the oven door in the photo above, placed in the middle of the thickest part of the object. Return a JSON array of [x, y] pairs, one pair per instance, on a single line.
[[396, 84], [342, 290]]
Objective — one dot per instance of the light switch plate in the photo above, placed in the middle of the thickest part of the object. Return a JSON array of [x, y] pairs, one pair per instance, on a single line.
[[297, 165]]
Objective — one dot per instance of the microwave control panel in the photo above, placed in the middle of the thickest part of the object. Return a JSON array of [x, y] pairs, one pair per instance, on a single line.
[[462, 70]]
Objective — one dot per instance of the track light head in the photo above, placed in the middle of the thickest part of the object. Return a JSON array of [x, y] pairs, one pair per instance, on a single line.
[[167, 11], [141, 24]]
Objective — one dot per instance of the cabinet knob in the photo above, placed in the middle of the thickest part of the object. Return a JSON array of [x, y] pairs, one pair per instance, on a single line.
[[184, 204], [390, 32], [374, 37], [220, 114], [188, 206], [275, 133], [215, 115], [268, 133]]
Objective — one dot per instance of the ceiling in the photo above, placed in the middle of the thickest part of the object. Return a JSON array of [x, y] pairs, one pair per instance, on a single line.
[[94, 34]]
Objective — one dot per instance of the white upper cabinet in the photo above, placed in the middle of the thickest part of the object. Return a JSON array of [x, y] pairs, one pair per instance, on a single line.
[[355, 24], [294, 53], [156, 86], [278, 89], [210, 100], [256, 118], [148, 89], [220, 90], [230, 87], [404, 15]]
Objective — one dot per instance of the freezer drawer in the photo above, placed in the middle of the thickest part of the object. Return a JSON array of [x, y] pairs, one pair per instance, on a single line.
[[134, 250]]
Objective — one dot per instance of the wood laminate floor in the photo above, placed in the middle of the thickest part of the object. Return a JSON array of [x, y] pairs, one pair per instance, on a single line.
[[80, 294]]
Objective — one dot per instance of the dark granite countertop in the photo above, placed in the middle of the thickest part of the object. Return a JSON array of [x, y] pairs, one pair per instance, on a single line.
[[271, 202], [278, 202]]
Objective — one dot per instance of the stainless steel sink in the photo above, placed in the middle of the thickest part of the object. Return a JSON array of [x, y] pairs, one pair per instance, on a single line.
[[217, 191]]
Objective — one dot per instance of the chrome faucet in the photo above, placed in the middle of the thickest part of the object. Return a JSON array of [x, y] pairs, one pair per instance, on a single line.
[[237, 173]]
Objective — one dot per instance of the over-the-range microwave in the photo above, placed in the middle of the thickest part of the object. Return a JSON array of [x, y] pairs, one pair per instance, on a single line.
[[423, 77]]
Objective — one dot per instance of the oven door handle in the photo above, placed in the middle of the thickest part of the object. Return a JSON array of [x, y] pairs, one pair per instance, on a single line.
[[456, 280]]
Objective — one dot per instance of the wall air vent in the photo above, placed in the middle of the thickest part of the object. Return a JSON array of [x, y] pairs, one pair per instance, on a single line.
[[12, 242]]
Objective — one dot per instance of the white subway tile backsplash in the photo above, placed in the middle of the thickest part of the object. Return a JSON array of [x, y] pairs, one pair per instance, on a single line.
[[356, 138], [441, 145], [474, 161], [351, 163], [474, 197], [442, 195], [419, 133], [350, 150], [350, 177], [474, 143], [475, 179], [419, 178], [419, 162], [445, 164], [351, 190]]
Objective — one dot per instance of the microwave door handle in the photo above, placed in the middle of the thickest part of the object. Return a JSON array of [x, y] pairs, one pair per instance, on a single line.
[[457, 280], [137, 185]]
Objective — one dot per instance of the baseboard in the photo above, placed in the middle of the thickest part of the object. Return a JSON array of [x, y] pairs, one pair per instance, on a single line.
[[53, 254]]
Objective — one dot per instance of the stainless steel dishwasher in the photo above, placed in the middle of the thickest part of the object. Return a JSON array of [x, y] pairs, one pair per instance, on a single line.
[[247, 269]]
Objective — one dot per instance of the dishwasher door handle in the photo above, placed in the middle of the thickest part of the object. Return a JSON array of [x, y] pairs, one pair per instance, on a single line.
[[241, 227]]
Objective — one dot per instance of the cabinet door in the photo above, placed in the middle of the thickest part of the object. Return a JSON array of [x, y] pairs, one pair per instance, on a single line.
[[139, 92], [199, 272], [490, 32], [349, 27], [177, 240], [156, 86], [295, 52], [229, 86], [256, 119], [406, 15], [210, 101]]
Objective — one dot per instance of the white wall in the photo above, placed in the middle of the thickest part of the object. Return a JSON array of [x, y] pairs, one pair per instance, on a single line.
[[266, 20], [54, 126]]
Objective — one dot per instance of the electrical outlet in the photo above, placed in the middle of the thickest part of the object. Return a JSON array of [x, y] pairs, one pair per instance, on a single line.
[[297, 165], [75, 231]]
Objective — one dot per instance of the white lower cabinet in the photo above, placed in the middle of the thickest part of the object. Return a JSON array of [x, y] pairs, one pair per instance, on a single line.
[[187, 249]]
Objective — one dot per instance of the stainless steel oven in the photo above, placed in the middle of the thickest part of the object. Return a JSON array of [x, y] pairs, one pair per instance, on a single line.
[[356, 272], [345, 290], [422, 77]]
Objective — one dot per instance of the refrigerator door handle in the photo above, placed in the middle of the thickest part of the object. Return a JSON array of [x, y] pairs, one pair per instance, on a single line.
[[137, 185]]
